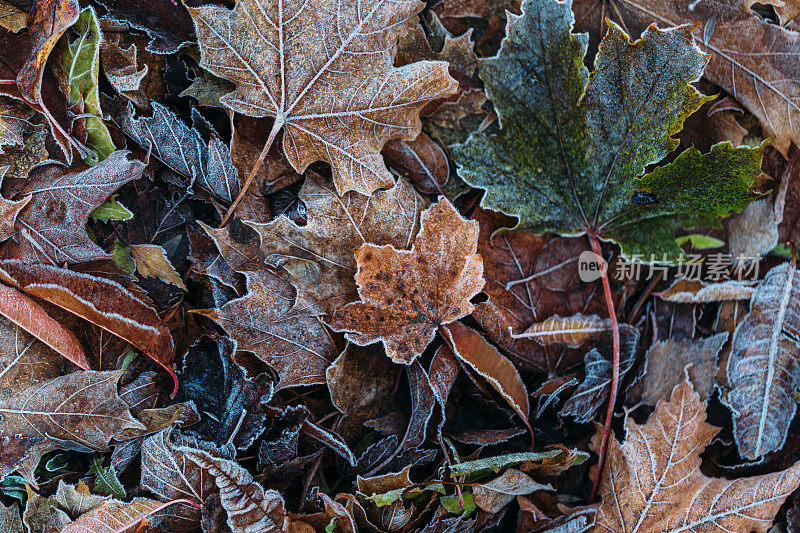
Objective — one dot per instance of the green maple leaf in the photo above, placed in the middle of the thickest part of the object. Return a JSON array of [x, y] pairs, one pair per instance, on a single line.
[[571, 154]]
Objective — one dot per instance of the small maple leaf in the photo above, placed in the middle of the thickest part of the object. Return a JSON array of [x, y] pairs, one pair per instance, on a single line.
[[323, 69], [654, 483], [407, 295], [573, 148]]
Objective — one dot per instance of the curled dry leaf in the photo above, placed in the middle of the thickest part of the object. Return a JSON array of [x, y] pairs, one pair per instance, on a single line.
[[31, 317], [101, 301], [249, 506], [422, 161], [653, 481], [335, 94], [763, 372], [493, 495], [685, 291], [407, 295], [572, 330], [470, 347]]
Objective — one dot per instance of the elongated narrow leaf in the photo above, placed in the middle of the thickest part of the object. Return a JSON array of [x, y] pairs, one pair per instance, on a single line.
[[571, 330], [764, 365], [100, 301], [30, 316]]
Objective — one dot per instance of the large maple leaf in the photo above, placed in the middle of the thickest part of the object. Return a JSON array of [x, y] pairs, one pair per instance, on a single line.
[[573, 148], [323, 69], [654, 482], [407, 295]]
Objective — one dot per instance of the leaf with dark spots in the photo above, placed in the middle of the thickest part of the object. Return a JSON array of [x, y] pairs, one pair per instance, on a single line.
[[407, 295], [226, 396]]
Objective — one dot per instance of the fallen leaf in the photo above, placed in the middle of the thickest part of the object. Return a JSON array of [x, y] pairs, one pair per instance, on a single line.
[[653, 481], [593, 391], [249, 506], [31, 317], [77, 500], [319, 254], [493, 495], [470, 347], [170, 475], [228, 398], [115, 516], [100, 301], [762, 369], [553, 461], [167, 23], [52, 225], [665, 358], [751, 58], [421, 161], [273, 321], [10, 520], [80, 62], [182, 148], [407, 295], [570, 160], [12, 17], [152, 262], [687, 291], [13, 115], [336, 96], [572, 330]]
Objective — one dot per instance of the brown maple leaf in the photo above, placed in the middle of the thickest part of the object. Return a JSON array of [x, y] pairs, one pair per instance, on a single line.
[[407, 295], [323, 70], [52, 226], [653, 481], [756, 61], [319, 255], [277, 323]]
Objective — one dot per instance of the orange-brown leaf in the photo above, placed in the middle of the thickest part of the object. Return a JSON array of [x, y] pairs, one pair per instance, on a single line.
[[653, 480], [100, 301], [407, 295], [484, 358], [31, 317], [117, 517]]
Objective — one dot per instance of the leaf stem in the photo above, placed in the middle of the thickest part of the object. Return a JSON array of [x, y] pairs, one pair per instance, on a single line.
[[612, 400], [276, 127]]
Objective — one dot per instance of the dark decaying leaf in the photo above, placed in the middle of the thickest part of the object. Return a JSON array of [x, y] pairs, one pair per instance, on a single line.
[[226, 396], [593, 391], [171, 141], [167, 23], [763, 370]]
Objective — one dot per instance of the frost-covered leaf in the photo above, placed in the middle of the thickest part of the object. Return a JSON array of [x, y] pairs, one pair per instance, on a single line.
[[51, 227], [653, 480], [763, 370], [571, 330], [276, 323], [319, 255], [323, 70], [407, 295], [572, 151], [80, 60]]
